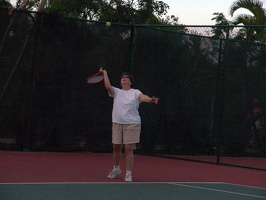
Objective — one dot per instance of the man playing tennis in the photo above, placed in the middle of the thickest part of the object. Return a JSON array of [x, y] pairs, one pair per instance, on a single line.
[[126, 121]]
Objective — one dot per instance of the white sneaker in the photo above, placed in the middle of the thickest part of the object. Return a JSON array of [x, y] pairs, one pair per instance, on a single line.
[[128, 178], [113, 173]]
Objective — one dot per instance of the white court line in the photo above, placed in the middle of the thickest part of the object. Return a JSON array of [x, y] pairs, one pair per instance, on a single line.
[[93, 183], [122, 182], [216, 190]]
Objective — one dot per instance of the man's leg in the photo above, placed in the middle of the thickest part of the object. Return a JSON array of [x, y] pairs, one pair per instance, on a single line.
[[131, 137], [129, 156], [117, 154], [116, 160], [129, 161]]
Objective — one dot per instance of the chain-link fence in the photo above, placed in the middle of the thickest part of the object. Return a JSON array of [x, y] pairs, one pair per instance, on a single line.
[[212, 90], [212, 96]]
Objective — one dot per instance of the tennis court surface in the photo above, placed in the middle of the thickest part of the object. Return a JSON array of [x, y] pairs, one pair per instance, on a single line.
[[56, 176]]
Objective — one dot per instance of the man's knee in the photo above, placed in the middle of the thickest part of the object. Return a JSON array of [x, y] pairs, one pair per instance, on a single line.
[[117, 147], [129, 148]]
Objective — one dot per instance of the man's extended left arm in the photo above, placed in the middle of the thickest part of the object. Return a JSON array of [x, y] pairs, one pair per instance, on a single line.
[[147, 99]]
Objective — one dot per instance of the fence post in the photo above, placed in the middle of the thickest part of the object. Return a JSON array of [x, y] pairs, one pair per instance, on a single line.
[[223, 93], [132, 49]]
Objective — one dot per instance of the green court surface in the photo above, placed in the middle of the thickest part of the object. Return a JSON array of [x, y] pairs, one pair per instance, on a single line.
[[129, 191]]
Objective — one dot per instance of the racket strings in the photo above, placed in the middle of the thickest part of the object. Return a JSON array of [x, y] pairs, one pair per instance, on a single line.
[[95, 79]]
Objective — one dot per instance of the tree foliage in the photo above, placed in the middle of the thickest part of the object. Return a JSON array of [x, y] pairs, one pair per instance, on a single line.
[[5, 3], [248, 33], [258, 17], [120, 11], [221, 21]]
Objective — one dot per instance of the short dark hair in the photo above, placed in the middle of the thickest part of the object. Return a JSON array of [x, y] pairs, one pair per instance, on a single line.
[[129, 75]]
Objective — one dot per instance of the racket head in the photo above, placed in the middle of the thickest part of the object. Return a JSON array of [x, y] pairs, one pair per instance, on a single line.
[[95, 78]]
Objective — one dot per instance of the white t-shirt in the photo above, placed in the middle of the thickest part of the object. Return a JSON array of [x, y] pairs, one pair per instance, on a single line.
[[125, 106]]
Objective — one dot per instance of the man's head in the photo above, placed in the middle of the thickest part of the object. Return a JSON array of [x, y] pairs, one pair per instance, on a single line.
[[127, 76]]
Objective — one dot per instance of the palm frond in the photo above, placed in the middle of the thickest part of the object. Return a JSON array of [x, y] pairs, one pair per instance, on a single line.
[[254, 6], [244, 19]]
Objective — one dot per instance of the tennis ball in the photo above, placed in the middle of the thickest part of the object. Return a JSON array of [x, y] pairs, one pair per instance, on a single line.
[[108, 24]]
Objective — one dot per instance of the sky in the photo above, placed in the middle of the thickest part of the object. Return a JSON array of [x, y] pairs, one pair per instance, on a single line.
[[197, 12], [200, 12]]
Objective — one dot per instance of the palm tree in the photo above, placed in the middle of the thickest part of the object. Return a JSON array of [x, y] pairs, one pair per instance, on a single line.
[[258, 18]]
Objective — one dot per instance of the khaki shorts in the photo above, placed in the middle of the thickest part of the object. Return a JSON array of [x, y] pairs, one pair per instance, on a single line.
[[126, 133]]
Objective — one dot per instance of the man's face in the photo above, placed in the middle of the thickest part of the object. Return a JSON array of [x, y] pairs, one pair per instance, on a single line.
[[125, 80]]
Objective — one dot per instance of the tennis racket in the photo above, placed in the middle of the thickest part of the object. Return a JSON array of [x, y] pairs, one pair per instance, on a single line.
[[96, 78]]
